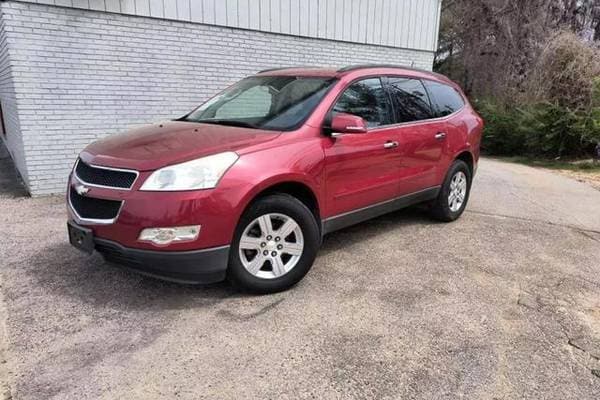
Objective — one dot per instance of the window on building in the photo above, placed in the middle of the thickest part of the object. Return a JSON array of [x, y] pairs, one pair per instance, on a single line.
[[445, 99], [368, 100], [410, 99]]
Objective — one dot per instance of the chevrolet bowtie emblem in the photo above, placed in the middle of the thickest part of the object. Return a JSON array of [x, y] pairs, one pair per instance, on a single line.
[[82, 190]]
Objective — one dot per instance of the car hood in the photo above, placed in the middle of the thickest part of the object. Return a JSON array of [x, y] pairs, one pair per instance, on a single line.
[[155, 146]]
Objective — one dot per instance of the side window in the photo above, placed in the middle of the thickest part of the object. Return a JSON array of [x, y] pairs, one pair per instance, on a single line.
[[445, 98], [411, 102], [366, 99]]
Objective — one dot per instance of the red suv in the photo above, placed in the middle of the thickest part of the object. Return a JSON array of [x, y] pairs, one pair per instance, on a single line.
[[245, 186]]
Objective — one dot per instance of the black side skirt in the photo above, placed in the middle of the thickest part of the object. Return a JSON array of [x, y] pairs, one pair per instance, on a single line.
[[362, 214]]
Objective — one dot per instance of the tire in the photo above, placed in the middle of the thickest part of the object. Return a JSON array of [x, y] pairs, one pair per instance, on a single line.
[[275, 269], [442, 208]]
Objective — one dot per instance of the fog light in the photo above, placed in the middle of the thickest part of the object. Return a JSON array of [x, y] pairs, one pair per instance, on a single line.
[[164, 236]]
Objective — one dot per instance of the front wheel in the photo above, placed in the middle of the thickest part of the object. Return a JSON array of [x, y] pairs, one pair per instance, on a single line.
[[454, 193], [275, 245]]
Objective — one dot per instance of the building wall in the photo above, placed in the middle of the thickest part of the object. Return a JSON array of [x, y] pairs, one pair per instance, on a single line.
[[80, 75], [8, 102], [410, 24]]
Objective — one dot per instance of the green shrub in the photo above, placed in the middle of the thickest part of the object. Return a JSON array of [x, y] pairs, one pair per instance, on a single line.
[[557, 113], [500, 135], [540, 129]]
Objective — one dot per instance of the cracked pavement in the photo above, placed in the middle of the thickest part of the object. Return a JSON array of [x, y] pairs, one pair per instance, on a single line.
[[502, 304]]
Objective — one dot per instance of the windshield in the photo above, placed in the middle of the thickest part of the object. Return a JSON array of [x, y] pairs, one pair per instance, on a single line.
[[264, 102]]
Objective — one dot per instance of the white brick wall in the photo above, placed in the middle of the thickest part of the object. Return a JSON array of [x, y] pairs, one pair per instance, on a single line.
[[81, 75]]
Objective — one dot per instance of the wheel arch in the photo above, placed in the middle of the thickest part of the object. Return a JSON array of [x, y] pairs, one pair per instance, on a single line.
[[293, 186], [468, 158]]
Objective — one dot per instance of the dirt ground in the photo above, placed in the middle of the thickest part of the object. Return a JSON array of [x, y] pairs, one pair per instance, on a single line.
[[591, 178]]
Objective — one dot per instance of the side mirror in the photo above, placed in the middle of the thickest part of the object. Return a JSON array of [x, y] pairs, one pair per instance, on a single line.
[[347, 123]]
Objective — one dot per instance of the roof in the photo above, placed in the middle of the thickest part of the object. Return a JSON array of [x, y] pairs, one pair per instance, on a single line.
[[358, 70]]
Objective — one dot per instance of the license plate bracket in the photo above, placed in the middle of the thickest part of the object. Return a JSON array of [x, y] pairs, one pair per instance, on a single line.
[[81, 238]]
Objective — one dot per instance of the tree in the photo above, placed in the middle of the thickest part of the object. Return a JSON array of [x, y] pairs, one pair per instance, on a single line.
[[492, 46]]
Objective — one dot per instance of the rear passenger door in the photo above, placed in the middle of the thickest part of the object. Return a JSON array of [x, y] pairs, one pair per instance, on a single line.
[[447, 104], [421, 137]]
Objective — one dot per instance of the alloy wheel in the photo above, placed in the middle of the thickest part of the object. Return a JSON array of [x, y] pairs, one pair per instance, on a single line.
[[271, 245], [458, 191]]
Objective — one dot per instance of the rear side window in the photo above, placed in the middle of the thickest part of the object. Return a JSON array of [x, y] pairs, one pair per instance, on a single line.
[[410, 99], [446, 100], [368, 100]]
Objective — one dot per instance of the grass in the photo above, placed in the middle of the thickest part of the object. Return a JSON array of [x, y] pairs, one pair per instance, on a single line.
[[573, 165]]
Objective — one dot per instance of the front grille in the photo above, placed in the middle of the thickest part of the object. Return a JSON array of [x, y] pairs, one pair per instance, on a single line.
[[104, 177], [92, 208]]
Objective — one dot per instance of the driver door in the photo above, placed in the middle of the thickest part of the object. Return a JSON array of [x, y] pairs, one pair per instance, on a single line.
[[363, 169]]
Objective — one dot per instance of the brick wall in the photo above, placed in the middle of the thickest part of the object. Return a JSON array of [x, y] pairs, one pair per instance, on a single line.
[[81, 75]]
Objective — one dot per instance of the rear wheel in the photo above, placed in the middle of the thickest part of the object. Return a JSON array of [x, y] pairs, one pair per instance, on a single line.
[[454, 193], [275, 245]]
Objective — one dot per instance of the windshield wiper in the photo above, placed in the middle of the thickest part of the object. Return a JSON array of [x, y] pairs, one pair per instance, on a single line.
[[228, 122]]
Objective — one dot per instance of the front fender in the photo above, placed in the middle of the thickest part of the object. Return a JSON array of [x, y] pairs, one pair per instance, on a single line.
[[300, 162]]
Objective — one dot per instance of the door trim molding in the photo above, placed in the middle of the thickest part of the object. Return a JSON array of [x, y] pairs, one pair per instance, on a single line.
[[353, 217]]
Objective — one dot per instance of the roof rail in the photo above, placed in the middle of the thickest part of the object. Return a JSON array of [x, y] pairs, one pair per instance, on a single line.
[[284, 68], [364, 66]]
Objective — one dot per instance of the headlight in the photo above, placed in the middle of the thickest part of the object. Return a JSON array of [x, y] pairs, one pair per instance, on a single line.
[[202, 173]]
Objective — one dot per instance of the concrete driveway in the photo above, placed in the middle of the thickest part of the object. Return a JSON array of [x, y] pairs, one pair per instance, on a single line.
[[503, 304]]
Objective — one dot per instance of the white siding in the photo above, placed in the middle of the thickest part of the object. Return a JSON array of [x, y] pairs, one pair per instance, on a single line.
[[398, 23]]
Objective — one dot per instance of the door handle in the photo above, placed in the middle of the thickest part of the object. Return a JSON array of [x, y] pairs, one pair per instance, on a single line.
[[390, 145], [440, 136]]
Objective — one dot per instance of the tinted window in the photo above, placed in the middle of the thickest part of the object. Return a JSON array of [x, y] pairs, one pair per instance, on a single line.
[[411, 102], [445, 99], [265, 102], [366, 99]]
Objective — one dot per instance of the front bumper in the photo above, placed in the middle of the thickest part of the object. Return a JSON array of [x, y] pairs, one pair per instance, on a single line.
[[215, 210], [203, 260], [195, 266]]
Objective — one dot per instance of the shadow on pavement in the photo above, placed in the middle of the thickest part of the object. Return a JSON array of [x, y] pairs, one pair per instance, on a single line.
[[380, 226], [65, 271], [10, 183]]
